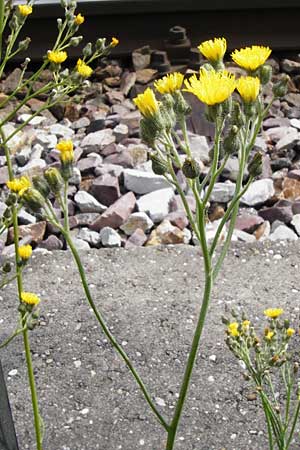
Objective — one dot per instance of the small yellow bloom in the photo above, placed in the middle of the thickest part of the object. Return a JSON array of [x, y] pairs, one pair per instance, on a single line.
[[79, 19], [18, 185], [246, 324], [170, 83], [65, 146], [273, 313], [147, 103], [57, 57], [30, 298], [25, 10], [214, 49], [114, 42], [248, 88], [250, 58], [290, 332], [25, 252], [83, 69], [212, 87], [269, 334], [233, 329]]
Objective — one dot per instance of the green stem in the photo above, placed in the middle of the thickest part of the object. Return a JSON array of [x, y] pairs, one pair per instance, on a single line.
[[293, 425], [34, 398], [109, 335], [2, 8], [269, 427]]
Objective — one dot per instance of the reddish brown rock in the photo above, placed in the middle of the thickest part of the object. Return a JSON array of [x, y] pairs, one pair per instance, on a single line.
[[291, 188], [52, 243], [178, 219], [248, 222], [294, 174], [106, 189], [35, 231], [282, 213], [137, 239], [117, 213], [216, 212], [123, 159]]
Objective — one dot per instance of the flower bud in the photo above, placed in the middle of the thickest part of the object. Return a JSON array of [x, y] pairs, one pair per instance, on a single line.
[[33, 199], [191, 168], [231, 143], [181, 107], [150, 129], [280, 88], [6, 268], [237, 117], [296, 368], [255, 166], [265, 74], [7, 214], [54, 179], [159, 166], [41, 185], [75, 41], [59, 24], [23, 45], [87, 50], [11, 199], [100, 44]]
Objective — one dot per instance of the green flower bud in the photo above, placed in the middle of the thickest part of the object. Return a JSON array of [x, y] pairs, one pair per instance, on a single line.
[[181, 107], [11, 199], [255, 166], [280, 88], [23, 45], [231, 143], [22, 308], [54, 179], [191, 168], [59, 24], [150, 129], [41, 185], [33, 199], [75, 41], [100, 44], [6, 268], [159, 166], [265, 74], [226, 107], [87, 50]]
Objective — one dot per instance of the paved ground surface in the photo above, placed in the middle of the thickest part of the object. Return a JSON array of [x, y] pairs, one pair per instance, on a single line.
[[150, 297]]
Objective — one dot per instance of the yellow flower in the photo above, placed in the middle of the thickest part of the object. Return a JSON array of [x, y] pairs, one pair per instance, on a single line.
[[65, 146], [248, 88], [250, 58], [114, 42], [212, 87], [79, 19], [214, 49], [83, 69], [233, 329], [246, 324], [30, 298], [147, 103], [25, 10], [18, 185], [269, 334], [170, 83], [25, 252], [290, 332], [273, 313], [57, 57]]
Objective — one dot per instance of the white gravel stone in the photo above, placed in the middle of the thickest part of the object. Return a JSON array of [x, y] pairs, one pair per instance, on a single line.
[[76, 177], [259, 192], [222, 192], [283, 233], [37, 120], [89, 236], [32, 166], [23, 156], [141, 182], [241, 235], [296, 223], [62, 131], [46, 140], [80, 244], [87, 203], [156, 204], [137, 220], [13, 372], [94, 142], [110, 237]]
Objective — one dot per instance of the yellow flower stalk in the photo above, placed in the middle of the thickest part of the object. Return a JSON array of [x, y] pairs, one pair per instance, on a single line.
[[290, 332], [214, 49], [273, 313], [233, 329], [25, 252], [248, 88], [170, 83], [57, 57], [211, 87], [29, 298], [83, 69], [18, 185], [79, 19], [25, 10], [250, 58], [147, 103], [114, 42]]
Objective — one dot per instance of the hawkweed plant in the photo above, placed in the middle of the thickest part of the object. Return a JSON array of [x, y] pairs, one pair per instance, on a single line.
[[64, 82], [272, 369]]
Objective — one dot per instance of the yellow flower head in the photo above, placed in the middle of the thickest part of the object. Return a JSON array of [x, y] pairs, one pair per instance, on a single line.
[[214, 49], [273, 313], [25, 252], [57, 57], [248, 88], [30, 298], [147, 103], [290, 332], [79, 19], [25, 10], [66, 151], [18, 185], [83, 69], [114, 42], [269, 334], [170, 83], [250, 58], [233, 329], [246, 324], [212, 87]]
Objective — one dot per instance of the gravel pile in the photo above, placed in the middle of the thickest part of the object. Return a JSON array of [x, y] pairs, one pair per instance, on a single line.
[[115, 199]]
